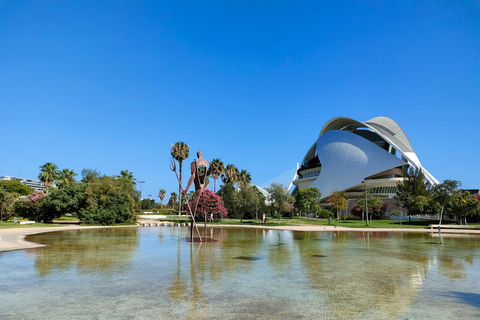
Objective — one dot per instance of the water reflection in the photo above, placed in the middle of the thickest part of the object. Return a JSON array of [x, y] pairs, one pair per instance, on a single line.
[[270, 273], [105, 250]]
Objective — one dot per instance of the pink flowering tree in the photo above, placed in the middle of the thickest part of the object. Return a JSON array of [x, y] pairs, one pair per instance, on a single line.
[[31, 206], [210, 203]]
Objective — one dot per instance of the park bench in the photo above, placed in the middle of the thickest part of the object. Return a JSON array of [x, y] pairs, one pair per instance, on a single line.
[[27, 222]]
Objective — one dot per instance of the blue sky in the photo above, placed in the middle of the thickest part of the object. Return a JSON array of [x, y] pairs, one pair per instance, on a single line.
[[111, 85]]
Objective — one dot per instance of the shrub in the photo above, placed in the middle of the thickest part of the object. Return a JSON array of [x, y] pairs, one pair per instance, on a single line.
[[352, 217], [30, 207], [324, 213]]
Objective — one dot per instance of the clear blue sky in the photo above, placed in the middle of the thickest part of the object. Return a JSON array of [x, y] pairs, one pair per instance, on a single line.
[[110, 85]]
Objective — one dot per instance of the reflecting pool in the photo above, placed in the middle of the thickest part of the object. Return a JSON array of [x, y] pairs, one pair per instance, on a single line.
[[153, 272]]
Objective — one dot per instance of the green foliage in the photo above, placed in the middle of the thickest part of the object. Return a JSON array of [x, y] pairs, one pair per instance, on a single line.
[[147, 204], [108, 200], [338, 201], [90, 175], [280, 197], [48, 174], [15, 186], [230, 175], [161, 195], [30, 207], [249, 201], [306, 200], [65, 201], [166, 212], [65, 178], [173, 199], [464, 205], [180, 151], [324, 213], [413, 191], [216, 169], [7, 204], [228, 194]]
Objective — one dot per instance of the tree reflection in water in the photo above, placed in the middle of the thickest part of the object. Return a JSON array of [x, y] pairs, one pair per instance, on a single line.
[[104, 250], [271, 273]]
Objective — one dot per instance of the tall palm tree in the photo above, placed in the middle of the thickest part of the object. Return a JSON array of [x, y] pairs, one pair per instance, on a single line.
[[127, 176], [231, 175], [216, 169], [48, 174], [161, 195], [180, 151], [244, 178], [173, 198], [65, 178]]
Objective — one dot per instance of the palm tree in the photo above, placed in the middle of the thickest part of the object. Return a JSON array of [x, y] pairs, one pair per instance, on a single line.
[[180, 151], [231, 175], [161, 195], [65, 178], [48, 174], [173, 199], [216, 169], [127, 176], [244, 178]]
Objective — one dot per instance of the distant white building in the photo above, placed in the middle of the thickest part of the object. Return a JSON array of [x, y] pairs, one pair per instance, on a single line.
[[36, 185], [350, 155]]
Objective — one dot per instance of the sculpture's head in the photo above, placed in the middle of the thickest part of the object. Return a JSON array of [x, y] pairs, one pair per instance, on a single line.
[[199, 154]]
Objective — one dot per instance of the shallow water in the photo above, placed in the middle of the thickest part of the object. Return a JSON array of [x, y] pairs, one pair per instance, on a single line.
[[153, 272]]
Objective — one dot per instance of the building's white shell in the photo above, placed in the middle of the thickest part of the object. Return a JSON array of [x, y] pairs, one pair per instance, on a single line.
[[349, 152]]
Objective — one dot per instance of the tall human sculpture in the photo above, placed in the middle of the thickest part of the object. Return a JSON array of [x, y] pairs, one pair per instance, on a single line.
[[199, 169]]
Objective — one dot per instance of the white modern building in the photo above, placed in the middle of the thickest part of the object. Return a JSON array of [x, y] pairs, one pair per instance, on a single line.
[[34, 184], [351, 155]]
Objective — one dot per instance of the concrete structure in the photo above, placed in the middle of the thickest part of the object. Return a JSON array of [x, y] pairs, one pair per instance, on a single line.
[[34, 184], [351, 155]]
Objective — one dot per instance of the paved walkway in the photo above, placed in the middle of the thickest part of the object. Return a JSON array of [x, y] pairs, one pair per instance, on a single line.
[[14, 238]]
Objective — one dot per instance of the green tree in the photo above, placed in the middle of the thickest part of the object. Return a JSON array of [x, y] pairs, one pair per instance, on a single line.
[[443, 194], [180, 151], [90, 175], [229, 196], [30, 207], [244, 179], [231, 175], [216, 169], [279, 197], [15, 186], [173, 199], [127, 176], [108, 201], [338, 201], [307, 199], [464, 205], [374, 204], [161, 195], [65, 178], [68, 200], [412, 186], [48, 174], [147, 204], [249, 200], [7, 204]]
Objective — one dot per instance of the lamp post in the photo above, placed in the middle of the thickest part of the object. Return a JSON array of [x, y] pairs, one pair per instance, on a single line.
[[366, 201]]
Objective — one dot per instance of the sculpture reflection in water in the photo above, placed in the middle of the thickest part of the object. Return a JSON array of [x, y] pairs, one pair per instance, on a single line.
[[199, 172], [357, 274]]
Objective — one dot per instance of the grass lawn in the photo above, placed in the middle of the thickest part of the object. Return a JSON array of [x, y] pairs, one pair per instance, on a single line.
[[8, 225], [339, 223]]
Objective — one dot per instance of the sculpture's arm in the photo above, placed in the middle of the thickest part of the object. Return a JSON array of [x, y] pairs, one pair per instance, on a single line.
[[192, 169]]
